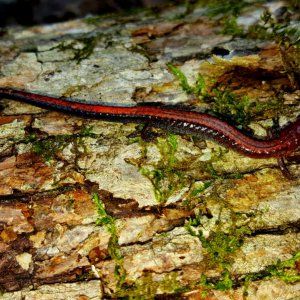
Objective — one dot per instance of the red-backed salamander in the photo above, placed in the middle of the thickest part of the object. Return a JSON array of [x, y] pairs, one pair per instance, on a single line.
[[181, 121]]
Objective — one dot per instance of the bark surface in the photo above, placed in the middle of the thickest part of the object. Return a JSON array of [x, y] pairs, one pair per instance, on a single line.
[[92, 209]]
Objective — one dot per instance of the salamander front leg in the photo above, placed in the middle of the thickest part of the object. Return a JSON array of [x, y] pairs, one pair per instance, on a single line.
[[283, 168]]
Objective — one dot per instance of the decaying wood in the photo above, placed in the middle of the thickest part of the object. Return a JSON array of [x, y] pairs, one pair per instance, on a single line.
[[182, 215]]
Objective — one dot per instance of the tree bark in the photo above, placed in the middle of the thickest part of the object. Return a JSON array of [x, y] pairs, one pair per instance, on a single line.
[[93, 209]]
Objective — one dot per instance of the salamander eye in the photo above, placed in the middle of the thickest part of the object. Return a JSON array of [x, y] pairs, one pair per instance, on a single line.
[[298, 129]]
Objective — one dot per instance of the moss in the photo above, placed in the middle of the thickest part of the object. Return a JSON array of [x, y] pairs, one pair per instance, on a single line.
[[270, 29], [93, 20], [220, 247], [217, 156], [147, 288], [224, 283], [231, 27], [227, 13], [224, 103], [240, 110], [166, 175], [200, 87], [189, 6], [87, 131], [230, 7], [181, 77], [283, 32], [195, 191], [287, 36], [81, 47], [285, 270], [30, 138], [48, 147], [214, 174], [200, 188], [104, 219]]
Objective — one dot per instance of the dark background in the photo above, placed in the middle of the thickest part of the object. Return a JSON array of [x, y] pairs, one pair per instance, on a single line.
[[31, 12]]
